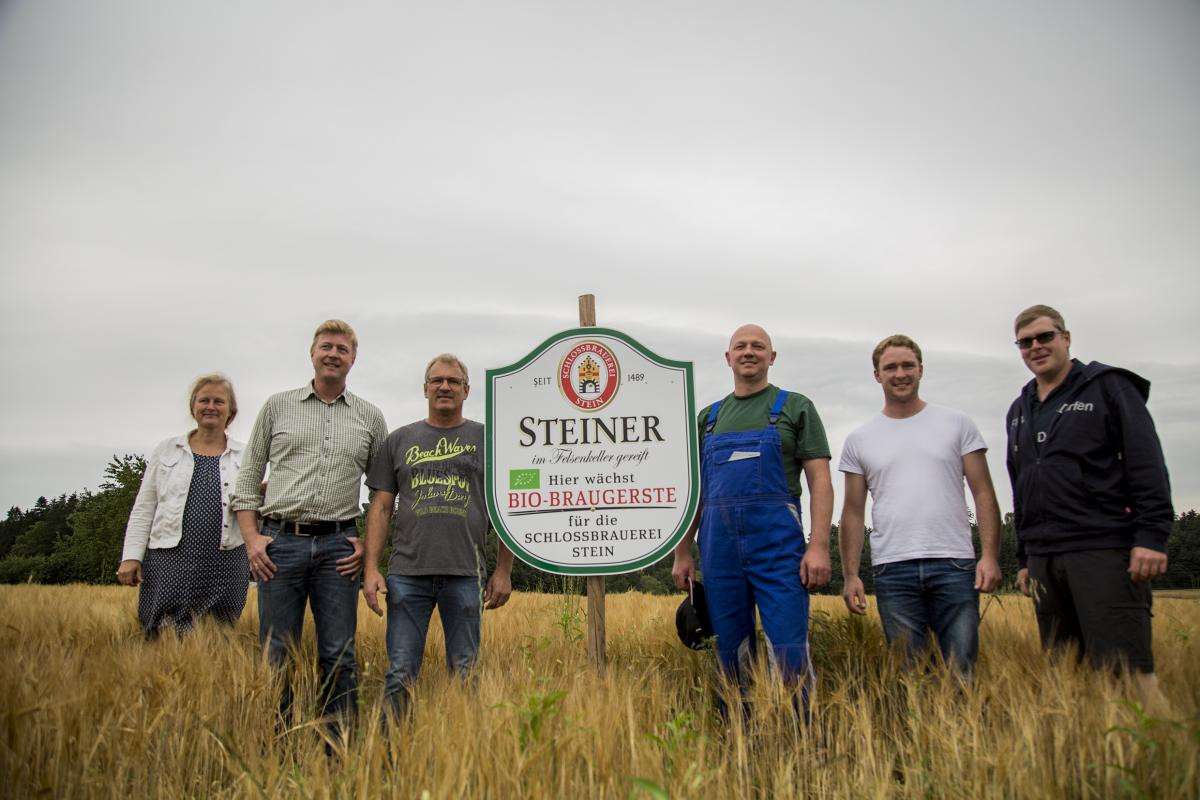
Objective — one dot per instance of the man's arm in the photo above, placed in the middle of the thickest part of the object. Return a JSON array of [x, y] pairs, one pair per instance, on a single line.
[[684, 568], [379, 514], [1010, 462], [499, 586], [815, 567], [248, 499], [349, 566], [1146, 480], [850, 541], [987, 515]]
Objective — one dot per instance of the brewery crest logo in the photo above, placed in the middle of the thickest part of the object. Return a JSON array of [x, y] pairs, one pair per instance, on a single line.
[[589, 376]]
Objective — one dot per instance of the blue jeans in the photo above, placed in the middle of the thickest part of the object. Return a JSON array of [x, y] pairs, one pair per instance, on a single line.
[[937, 594], [305, 574], [410, 602]]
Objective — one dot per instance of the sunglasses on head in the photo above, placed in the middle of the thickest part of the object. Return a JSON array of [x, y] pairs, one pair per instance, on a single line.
[[1026, 342]]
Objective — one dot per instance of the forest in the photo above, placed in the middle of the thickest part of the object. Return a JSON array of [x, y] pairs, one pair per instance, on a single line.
[[77, 537]]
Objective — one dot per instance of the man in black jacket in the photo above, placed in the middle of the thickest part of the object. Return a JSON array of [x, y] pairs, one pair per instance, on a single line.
[[1091, 500]]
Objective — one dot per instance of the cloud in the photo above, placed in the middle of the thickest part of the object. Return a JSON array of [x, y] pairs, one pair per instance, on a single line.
[[189, 188]]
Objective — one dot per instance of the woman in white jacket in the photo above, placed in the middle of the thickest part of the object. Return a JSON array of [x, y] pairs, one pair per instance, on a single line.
[[182, 544]]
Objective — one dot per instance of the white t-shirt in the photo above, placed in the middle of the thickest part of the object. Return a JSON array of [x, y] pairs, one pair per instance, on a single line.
[[914, 472]]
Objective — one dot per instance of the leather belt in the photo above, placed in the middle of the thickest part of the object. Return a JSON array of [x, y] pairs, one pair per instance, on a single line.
[[318, 528]]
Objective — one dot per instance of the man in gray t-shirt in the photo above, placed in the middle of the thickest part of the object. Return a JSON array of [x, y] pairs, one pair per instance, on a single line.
[[440, 522], [431, 474]]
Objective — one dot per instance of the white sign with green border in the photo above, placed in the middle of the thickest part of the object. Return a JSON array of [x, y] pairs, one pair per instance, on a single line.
[[592, 464]]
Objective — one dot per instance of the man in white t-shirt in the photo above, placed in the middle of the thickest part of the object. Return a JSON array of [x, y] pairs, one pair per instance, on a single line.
[[912, 458]]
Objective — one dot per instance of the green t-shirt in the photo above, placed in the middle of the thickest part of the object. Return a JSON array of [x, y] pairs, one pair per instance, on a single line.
[[800, 430]]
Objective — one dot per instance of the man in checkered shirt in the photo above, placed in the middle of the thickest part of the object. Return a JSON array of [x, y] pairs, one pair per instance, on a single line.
[[319, 440]]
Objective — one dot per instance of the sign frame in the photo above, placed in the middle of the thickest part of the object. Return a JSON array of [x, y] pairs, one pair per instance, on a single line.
[[693, 453]]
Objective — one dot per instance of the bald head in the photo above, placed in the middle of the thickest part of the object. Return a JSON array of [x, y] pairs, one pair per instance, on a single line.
[[750, 355], [751, 331]]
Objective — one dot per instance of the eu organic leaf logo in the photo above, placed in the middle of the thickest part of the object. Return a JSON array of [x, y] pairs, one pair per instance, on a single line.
[[524, 479]]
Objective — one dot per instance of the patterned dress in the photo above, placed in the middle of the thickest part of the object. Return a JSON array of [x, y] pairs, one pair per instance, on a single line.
[[195, 577]]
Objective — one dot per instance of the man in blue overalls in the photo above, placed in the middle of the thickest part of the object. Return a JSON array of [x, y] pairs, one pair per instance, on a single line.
[[755, 444]]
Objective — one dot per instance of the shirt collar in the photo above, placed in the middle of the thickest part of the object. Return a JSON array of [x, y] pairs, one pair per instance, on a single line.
[[1073, 375], [231, 445], [306, 391]]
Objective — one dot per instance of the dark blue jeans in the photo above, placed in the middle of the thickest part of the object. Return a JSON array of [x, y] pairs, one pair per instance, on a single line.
[[936, 594], [305, 574], [410, 602]]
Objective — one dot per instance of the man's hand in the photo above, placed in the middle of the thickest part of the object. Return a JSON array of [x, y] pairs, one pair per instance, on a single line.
[[987, 574], [684, 569], [373, 584], [498, 590], [262, 568], [130, 572], [854, 595], [1023, 580], [350, 566], [1146, 564], [814, 568]]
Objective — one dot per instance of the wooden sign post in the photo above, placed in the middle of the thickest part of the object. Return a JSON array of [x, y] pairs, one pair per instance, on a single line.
[[591, 457], [595, 583]]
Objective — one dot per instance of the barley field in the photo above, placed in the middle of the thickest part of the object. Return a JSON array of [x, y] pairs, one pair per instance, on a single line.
[[89, 709]]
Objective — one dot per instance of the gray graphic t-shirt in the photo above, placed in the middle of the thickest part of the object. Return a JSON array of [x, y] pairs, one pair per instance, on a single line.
[[440, 523]]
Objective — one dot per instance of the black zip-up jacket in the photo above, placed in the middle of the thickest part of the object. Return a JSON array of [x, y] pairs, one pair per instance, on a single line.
[[1098, 480]]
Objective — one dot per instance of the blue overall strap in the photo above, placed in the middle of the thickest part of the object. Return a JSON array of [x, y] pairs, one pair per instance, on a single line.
[[712, 418], [777, 409]]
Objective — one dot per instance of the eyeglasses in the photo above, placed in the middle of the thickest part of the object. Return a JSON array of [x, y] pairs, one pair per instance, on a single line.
[[1026, 342], [453, 383]]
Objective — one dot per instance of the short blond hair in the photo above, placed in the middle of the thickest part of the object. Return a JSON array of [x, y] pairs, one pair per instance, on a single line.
[[453, 360], [337, 326], [895, 340], [205, 380], [1037, 312]]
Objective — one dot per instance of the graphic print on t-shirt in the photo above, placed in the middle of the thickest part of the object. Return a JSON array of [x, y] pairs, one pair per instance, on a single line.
[[440, 477]]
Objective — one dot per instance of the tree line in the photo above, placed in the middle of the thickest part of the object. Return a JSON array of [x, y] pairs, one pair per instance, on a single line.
[[77, 538]]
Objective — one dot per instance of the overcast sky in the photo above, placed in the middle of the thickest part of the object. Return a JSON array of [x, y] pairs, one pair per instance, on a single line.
[[194, 186]]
